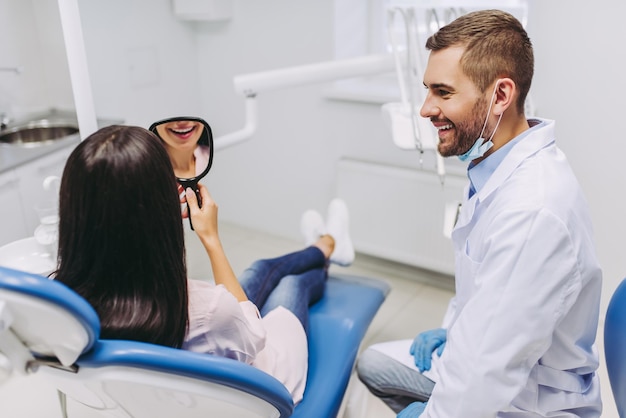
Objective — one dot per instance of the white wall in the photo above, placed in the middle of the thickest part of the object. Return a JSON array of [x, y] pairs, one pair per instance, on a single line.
[[578, 82], [31, 38], [290, 163], [142, 61]]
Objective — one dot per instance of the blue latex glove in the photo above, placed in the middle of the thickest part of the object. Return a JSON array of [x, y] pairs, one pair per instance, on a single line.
[[424, 345], [414, 410]]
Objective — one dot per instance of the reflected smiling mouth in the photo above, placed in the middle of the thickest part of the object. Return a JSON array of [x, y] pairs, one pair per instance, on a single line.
[[183, 133]]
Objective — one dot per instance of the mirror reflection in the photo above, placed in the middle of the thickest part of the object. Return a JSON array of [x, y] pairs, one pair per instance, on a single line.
[[189, 143]]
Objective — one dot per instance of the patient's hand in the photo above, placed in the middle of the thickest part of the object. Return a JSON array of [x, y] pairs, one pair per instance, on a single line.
[[183, 201], [205, 218]]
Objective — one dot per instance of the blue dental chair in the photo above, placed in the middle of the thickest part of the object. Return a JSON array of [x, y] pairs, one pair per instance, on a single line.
[[615, 346], [48, 329]]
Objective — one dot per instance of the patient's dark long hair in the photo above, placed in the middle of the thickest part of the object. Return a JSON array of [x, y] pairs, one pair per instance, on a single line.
[[121, 242]]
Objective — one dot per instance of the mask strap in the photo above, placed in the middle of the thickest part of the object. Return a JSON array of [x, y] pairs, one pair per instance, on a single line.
[[487, 117], [496, 128]]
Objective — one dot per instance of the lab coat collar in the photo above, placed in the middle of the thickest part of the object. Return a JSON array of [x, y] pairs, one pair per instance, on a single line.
[[479, 174], [529, 145]]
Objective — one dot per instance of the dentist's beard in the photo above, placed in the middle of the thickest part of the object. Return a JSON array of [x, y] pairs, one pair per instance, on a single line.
[[466, 132]]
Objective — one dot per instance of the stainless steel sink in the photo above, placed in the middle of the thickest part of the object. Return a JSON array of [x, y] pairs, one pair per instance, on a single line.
[[38, 132]]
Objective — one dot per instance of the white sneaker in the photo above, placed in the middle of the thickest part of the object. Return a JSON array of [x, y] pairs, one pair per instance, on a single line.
[[337, 226], [312, 226]]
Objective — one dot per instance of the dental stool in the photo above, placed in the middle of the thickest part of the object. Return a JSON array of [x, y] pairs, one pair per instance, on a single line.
[[615, 346], [48, 329]]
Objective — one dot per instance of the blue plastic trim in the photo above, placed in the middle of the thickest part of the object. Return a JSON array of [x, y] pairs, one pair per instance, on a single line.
[[54, 292], [205, 367], [615, 346]]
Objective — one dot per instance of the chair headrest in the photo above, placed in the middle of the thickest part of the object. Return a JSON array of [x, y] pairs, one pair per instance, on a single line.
[[50, 319]]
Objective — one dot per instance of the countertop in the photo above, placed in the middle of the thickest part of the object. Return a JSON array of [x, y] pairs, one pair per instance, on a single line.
[[12, 156]]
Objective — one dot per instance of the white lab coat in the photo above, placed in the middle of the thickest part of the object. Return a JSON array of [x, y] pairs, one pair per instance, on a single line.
[[522, 325]]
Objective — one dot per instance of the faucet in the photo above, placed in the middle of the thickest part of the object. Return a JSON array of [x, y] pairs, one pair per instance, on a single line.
[[5, 118]]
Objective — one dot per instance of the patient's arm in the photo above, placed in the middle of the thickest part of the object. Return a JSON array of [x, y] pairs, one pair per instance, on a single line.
[[205, 226]]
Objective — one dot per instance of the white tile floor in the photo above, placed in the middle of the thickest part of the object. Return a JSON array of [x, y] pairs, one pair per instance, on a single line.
[[417, 301]]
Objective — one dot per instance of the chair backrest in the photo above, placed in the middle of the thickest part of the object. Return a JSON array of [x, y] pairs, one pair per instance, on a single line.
[[133, 379], [615, 346], [146, 380], [47, 328]]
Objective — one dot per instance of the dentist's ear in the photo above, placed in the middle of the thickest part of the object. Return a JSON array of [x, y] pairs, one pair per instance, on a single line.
[[505, 95]]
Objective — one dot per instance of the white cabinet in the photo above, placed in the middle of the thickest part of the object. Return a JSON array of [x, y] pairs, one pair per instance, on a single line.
[[21, 190], [12, 224], [31, 176]]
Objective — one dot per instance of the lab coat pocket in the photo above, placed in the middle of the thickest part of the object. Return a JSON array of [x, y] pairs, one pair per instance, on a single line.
[[466, 274], [466, 263]]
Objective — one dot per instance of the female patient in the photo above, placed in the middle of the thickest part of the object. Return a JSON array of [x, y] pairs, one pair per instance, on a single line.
[[121, 247]]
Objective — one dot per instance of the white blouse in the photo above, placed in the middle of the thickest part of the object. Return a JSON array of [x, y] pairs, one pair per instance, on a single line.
[[220, 325]]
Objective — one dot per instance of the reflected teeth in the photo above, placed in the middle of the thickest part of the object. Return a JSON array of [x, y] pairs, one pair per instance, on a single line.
[[182, 131], [441, 128]]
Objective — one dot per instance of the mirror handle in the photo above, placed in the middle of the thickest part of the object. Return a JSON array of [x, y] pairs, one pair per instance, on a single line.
[[194, 186]]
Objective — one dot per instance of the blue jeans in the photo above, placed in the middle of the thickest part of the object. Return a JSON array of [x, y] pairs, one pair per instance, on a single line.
[[294, 281]]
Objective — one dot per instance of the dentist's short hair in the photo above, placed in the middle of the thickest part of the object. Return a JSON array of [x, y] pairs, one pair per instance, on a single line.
[[496, 45]]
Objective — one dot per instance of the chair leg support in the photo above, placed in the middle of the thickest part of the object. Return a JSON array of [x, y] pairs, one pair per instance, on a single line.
[[63, 403]]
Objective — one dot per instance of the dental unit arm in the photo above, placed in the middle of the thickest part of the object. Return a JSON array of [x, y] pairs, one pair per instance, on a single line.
[[250, 85]]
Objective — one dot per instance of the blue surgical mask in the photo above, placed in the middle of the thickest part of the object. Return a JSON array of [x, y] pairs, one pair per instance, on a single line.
[[481, 146], [479, 149]]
